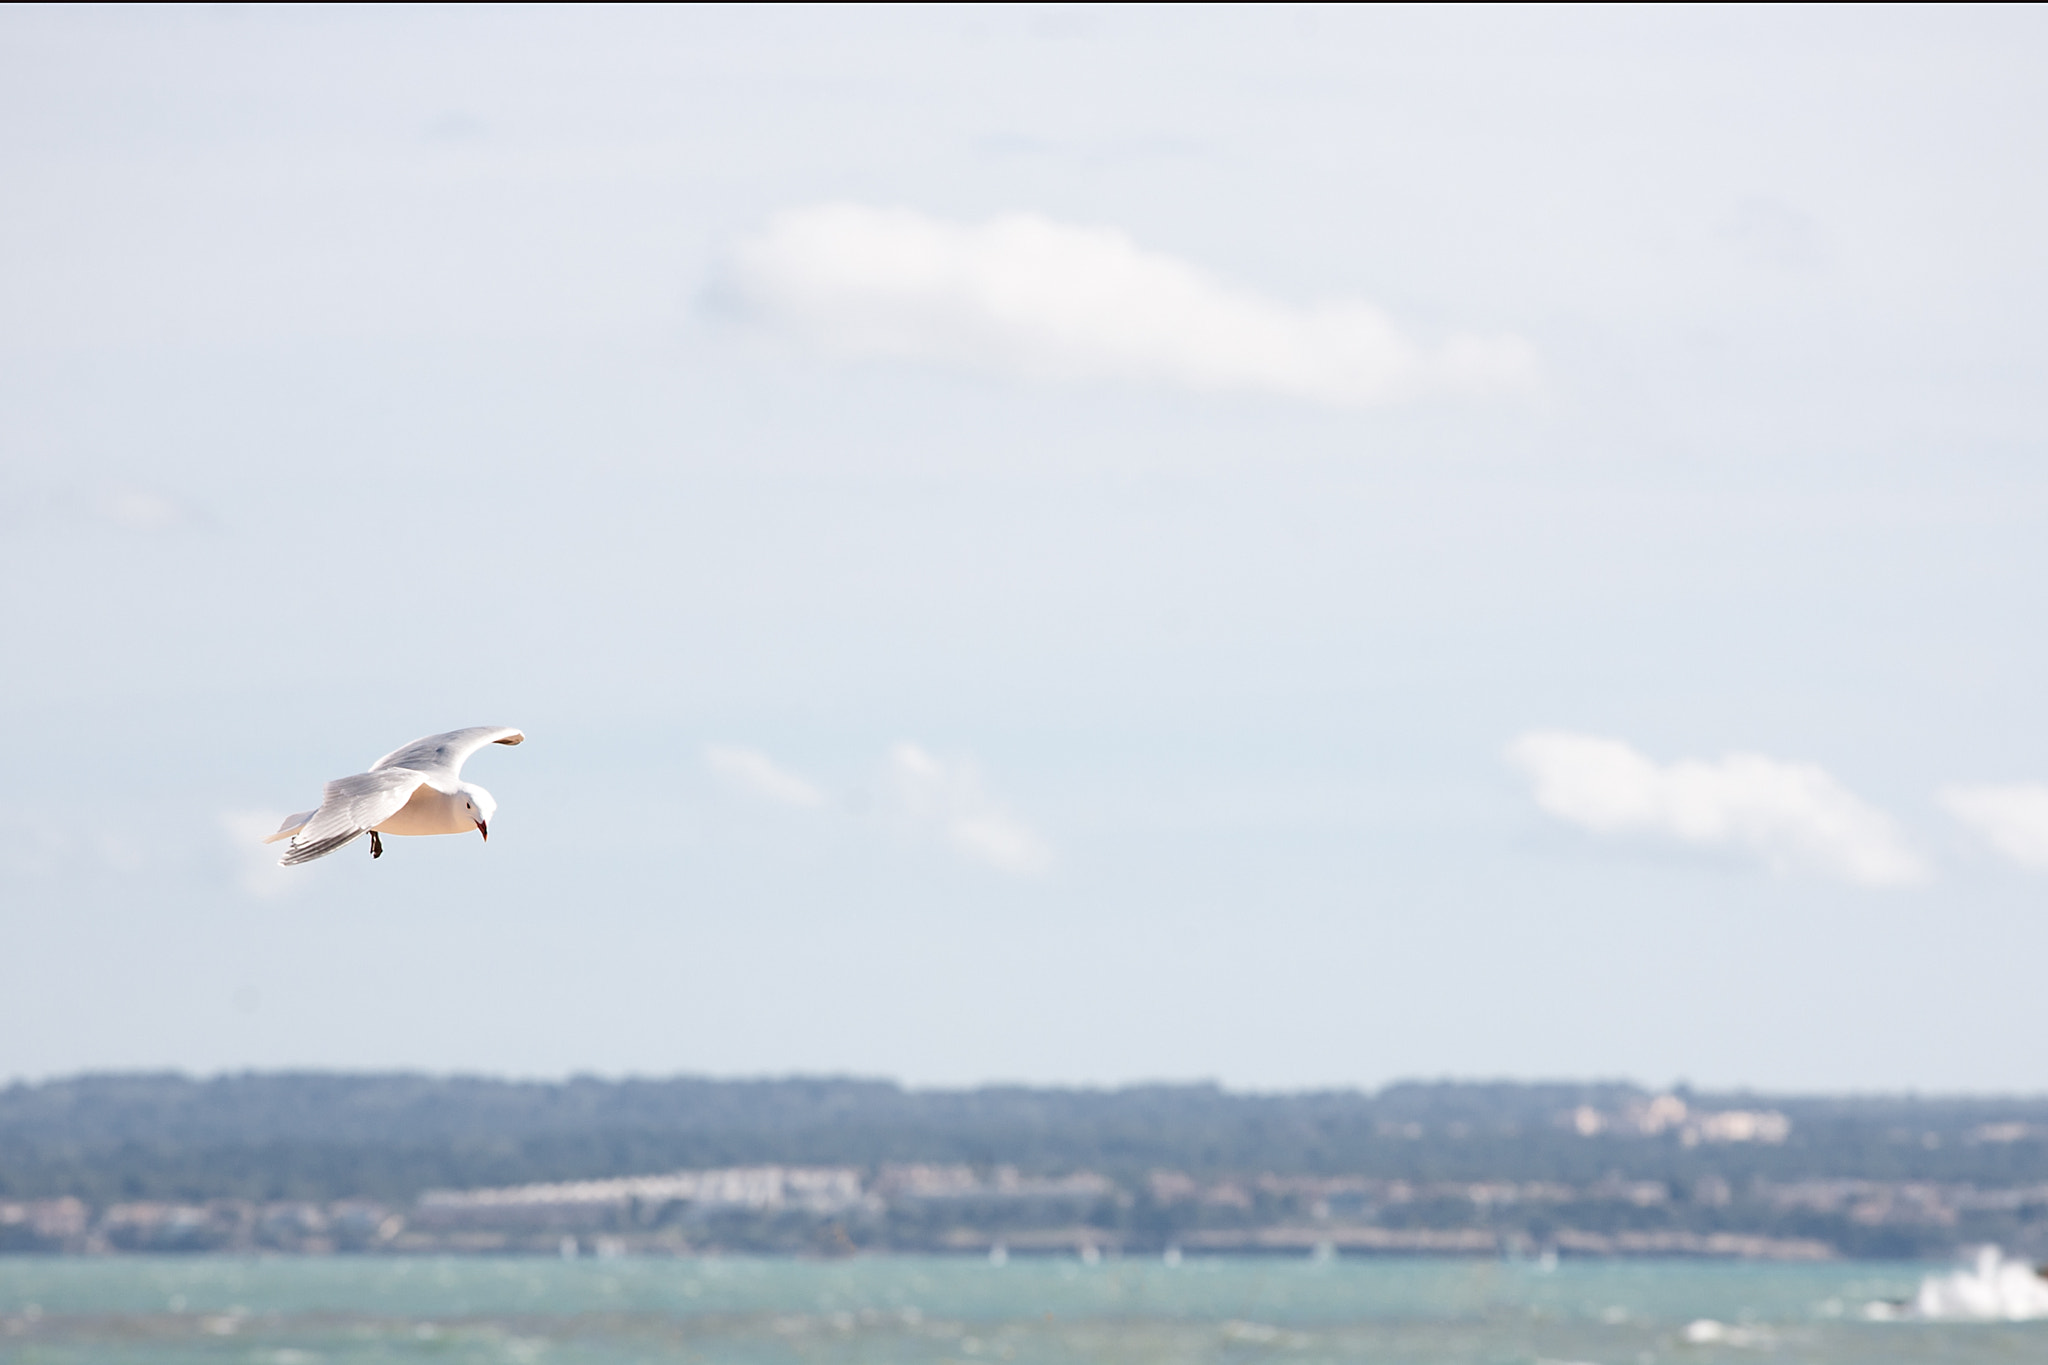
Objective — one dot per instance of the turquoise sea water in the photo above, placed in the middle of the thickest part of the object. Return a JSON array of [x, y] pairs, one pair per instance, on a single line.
[[304, 1311]]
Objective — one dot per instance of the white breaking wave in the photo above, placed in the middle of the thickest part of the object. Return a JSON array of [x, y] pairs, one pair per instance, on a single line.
[[1995, 1289]]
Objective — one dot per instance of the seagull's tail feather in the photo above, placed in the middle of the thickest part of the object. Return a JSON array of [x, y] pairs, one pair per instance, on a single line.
[[292, 825], [319, 848]]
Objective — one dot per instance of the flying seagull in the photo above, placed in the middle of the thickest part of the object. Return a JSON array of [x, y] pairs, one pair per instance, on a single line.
[[414, 790]]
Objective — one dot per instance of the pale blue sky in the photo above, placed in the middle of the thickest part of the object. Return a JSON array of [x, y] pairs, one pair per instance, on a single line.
[[984, 676]]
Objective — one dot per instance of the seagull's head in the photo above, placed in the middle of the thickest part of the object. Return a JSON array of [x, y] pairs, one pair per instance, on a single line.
[[479, 805]]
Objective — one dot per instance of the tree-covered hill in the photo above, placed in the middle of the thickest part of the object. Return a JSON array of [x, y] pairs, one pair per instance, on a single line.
[[389, 1136]]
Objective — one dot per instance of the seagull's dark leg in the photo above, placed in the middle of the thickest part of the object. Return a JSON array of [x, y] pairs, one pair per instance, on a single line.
[[376, 845]]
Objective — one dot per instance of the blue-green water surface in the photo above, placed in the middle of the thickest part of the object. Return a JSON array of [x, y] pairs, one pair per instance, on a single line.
[[306, 1311]]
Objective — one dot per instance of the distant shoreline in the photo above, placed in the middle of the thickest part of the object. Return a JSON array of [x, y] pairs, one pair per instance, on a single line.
[[320, 1164]]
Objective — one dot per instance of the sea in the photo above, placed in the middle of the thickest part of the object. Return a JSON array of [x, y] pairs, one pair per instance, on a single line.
[[321, 1310]]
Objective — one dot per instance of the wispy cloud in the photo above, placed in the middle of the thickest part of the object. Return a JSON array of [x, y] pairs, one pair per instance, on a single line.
[[1787, 814], [47, 846], [139, 509], [257, 872], [1026, 296], [930, 796], [2012, 817], [31, 848], [60, 506], [759, 775], [947, 796]]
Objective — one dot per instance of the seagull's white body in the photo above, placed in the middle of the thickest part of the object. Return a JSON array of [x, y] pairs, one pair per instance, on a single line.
[[414, 790], [430, 811]]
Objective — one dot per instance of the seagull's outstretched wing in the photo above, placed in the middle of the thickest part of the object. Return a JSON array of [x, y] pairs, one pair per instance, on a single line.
[[292, 825], [349, 806], [440, 757]]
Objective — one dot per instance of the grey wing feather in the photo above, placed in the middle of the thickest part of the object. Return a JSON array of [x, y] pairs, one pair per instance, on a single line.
[[349, 806], [292, 825], [441, 756]]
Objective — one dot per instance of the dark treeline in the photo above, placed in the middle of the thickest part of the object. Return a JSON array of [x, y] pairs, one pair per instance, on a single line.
[[324, 1136]]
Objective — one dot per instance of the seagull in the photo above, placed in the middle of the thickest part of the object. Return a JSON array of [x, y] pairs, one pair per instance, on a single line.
[[414, 790]]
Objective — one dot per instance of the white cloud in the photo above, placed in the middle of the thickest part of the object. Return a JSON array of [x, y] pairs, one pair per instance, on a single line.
[[760, 775], [1026, 296], [947, 796], [2012, 817], [1788, 814]]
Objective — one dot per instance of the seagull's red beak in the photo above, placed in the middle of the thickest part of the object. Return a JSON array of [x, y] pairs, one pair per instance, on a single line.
[[484, 829]]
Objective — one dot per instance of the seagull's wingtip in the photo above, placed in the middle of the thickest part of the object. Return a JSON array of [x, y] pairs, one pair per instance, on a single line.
[[292, 825]]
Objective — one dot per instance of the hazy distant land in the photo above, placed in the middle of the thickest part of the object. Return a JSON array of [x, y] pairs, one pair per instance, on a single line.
[[381, 1163]]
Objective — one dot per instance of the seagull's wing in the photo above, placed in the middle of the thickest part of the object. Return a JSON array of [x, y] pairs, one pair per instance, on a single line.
[[292, 825], [349, 806], [440, 757]]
